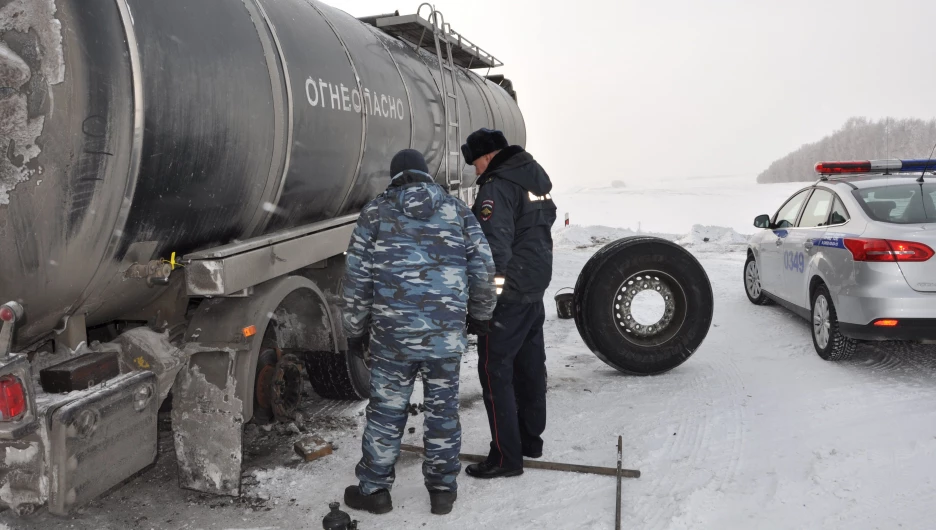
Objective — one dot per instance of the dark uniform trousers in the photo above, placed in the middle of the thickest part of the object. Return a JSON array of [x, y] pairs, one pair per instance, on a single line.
[[512, 367]]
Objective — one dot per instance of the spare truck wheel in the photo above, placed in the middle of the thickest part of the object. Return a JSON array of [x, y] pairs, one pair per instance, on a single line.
[[338, 375], [629, 270]]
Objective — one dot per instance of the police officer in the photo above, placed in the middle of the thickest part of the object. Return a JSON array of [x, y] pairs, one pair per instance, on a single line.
[[516, 212], [417, 266]]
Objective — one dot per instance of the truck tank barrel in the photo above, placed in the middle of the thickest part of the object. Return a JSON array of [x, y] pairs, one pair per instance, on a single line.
[[131, 129]]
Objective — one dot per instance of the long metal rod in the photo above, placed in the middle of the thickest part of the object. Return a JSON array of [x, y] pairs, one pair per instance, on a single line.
[[548, 466], [617, 501]]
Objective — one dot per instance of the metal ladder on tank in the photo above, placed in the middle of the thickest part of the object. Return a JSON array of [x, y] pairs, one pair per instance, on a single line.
[[450, 100]]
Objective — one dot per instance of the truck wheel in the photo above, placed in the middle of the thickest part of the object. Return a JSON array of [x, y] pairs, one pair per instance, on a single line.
[[830, 344], [752, 283], [263, 387], [604, 309], [338, 376]]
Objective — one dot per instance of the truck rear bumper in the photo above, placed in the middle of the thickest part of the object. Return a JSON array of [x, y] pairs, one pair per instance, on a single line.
[[86, 443]]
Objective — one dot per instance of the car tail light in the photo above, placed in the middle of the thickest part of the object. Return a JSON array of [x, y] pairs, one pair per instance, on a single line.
[[887, 323], [886, 250], [12, 398]]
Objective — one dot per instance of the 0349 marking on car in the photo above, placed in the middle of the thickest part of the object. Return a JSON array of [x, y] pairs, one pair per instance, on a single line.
[[794, 261]]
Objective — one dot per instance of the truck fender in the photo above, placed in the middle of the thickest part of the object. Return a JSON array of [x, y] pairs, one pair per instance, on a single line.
[[295, 306]]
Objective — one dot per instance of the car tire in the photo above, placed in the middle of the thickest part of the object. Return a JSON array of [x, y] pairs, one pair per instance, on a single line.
[[828, 340], [338, 376], [614, 276], [752, 283]]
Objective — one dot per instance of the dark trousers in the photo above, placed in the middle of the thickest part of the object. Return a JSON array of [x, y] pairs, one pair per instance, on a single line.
[[512, 366]]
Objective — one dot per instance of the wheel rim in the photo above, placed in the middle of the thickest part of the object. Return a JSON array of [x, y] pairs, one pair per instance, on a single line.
[[264, 386], [752, 280], [674, 313], [822, 325]]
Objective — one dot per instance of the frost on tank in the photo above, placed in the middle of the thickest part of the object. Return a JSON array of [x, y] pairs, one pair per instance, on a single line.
[[19, 132]]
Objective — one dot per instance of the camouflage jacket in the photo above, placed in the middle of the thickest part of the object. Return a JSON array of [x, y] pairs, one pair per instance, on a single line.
[[417, 264]]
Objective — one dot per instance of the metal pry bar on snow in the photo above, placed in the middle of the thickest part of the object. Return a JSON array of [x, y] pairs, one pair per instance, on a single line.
[[549, 466], [617, 500]]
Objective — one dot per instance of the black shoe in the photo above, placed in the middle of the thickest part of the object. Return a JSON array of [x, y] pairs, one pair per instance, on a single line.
[[530, 454], [489, 470], [442, 501], [377, 503]]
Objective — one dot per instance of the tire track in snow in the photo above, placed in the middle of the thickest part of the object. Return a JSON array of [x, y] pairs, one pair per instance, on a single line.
[[684, 464], [908, 362], [705, 472]]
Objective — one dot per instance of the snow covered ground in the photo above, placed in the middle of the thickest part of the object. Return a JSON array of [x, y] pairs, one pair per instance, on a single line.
[[674, 205], [754, 431]]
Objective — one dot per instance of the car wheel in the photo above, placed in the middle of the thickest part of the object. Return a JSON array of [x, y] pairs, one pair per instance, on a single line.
[[830, 344], [752, 283]]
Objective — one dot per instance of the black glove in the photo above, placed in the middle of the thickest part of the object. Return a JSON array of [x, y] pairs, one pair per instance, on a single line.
[[358, 345], [478, 327]]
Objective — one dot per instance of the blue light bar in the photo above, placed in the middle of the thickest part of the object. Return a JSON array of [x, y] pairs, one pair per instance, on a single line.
[[917, 166]]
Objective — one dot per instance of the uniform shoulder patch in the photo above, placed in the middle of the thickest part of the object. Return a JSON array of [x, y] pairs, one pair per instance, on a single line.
[[487, 210]]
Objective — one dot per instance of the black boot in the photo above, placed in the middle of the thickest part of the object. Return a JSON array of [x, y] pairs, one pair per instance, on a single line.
[[533, 454], [489, 470], [377, 503], [442, 501]]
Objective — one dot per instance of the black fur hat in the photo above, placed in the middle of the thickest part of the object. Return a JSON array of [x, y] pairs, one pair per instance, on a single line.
[[482, 142]]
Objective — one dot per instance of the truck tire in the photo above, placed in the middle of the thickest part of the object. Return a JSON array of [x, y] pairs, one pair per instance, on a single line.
[[338, 376], [828, 340], [619, 272]]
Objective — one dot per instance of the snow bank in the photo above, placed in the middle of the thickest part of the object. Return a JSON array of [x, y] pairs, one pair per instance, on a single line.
[[574, 237], [713, 239], [700, 238]]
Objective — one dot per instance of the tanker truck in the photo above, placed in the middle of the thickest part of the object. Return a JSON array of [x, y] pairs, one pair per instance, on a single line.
[[178, 184]]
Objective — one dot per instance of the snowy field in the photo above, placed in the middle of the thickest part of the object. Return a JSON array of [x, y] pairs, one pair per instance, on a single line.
[[674, 205], [754, 431]]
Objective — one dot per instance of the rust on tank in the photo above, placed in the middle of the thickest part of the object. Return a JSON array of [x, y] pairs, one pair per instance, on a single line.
[[31, 60]]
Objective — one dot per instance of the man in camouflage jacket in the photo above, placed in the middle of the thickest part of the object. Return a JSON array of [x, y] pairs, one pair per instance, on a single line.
[[417, 266]]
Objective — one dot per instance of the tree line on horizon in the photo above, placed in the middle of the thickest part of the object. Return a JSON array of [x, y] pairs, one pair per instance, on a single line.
[[859, 139]]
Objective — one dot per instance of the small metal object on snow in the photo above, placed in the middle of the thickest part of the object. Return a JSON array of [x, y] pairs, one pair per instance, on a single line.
[[312, 447], [337, 519], [565, 304]]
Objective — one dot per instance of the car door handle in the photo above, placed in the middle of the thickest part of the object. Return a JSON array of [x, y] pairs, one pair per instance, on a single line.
[[779, 241]]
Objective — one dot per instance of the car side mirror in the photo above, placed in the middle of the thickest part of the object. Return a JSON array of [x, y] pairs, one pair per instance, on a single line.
[[762, 221]]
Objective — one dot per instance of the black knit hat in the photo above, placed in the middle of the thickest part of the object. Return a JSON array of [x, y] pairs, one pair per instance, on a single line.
[[482, 142], [408, 159]]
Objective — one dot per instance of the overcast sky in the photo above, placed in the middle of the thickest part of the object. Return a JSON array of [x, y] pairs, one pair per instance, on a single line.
[[628, 89]]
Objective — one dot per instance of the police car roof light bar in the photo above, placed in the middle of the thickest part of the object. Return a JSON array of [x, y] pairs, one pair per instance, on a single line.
[[875, 166]]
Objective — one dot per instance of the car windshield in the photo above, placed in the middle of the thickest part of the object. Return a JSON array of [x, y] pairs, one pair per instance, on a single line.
[[900, 204]]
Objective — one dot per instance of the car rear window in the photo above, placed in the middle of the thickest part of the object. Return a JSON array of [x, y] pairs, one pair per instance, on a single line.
[[900, 204]]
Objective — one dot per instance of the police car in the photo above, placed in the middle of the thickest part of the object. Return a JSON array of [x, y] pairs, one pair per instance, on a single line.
[[853, 253]]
